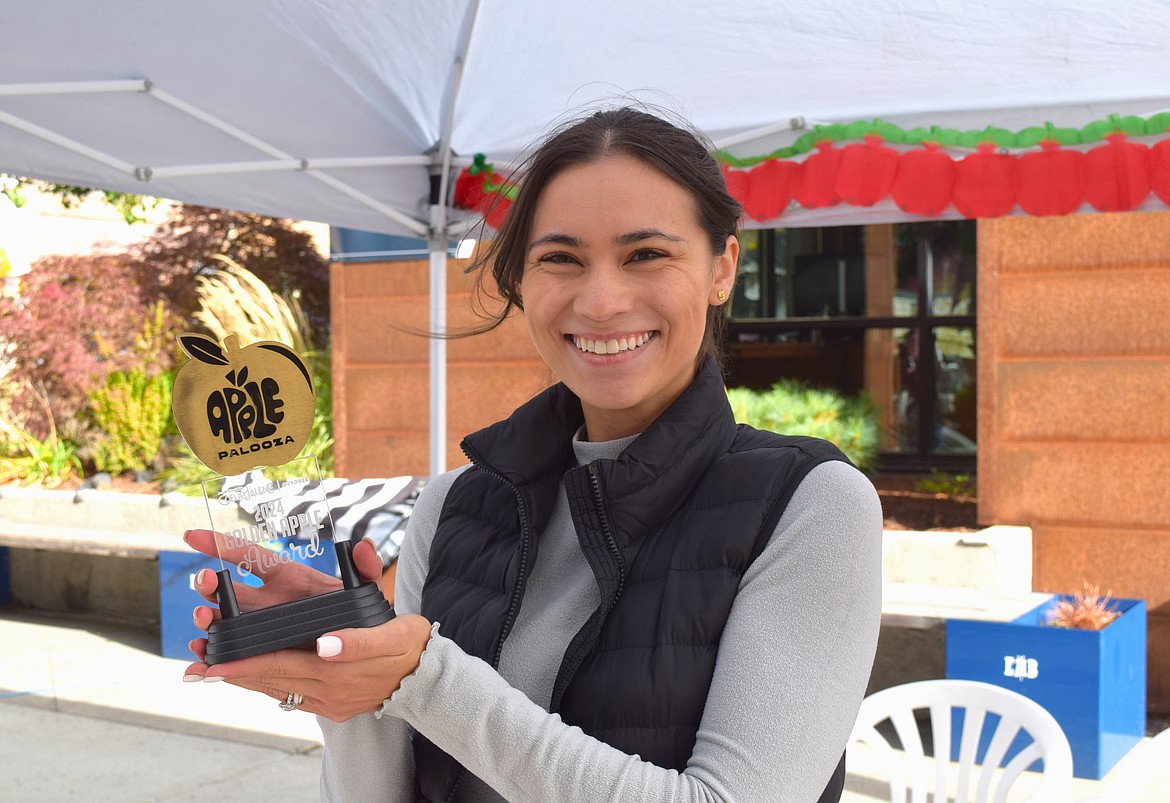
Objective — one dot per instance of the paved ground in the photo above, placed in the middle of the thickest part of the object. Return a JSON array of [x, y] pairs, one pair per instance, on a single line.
[[60, 757], [90, 712]]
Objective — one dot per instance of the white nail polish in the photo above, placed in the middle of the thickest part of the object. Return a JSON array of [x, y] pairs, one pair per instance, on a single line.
[[212, 678], [328, 646], [192, 678]]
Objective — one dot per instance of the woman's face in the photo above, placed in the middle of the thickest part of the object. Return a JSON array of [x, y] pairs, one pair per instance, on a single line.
[[616, 286]]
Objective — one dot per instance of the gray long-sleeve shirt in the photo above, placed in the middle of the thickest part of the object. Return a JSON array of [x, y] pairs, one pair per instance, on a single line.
[[793, 664]]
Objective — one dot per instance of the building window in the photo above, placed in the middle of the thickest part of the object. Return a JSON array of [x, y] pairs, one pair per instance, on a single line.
[[887, 309]]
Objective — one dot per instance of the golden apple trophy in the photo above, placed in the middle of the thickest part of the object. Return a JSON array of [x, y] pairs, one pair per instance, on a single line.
[[246, 413]]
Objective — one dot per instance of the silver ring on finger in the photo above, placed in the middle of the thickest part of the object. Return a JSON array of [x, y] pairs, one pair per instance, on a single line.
[[292, 702]]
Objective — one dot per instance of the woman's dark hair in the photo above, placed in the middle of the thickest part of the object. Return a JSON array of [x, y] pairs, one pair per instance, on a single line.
[[681, 155]]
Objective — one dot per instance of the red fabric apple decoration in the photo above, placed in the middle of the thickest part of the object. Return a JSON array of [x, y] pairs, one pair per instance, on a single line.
[[924, 181], [495, 208], [1117, 175], [1160, 170], [983, 183], [1050, 181], [737, 183], [771, 186], [866, 171], [818, 177], [468, 191]]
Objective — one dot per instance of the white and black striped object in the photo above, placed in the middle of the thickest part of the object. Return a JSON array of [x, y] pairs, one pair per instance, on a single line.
[[377, 509]]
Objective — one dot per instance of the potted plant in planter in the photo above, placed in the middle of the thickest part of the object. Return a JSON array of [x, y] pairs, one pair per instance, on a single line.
[[1081, 656]]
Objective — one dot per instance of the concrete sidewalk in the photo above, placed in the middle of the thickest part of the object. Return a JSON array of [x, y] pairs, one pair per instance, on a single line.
[[100, 669], [95, 669], [50, 756]]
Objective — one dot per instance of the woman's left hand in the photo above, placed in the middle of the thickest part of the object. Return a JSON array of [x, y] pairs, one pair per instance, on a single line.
[[351, 672]]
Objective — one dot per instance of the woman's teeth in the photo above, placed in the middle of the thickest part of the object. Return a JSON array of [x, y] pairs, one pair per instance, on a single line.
[[612, 346]]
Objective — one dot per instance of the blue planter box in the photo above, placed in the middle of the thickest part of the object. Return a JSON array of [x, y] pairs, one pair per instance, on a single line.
[[1093, 682]]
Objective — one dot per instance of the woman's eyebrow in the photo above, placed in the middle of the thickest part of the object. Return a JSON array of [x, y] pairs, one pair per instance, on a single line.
[[630, 238], [567, 240], [645, 234]]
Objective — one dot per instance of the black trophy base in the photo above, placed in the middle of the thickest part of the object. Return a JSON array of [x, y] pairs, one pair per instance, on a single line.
[[295, 624]]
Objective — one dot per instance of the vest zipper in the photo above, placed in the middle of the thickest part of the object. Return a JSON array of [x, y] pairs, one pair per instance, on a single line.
[[525, 541], [514, 603], [611, 543], [610, 536]]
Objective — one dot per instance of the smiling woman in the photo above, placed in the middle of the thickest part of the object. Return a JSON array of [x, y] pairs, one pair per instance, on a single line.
[[625, 595], [616, 256]]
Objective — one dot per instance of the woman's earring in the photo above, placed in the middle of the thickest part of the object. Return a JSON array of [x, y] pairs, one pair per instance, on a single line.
[[721, 295]]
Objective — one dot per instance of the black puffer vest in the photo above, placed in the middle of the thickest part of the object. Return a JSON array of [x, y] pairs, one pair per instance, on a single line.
[[669, 528]]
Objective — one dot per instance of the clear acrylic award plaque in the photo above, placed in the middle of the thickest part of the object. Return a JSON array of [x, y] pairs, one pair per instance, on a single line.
[[246, 414]]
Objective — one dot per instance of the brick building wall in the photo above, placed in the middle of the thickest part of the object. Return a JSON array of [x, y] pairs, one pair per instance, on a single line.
[[1074, 404], [380, 311]]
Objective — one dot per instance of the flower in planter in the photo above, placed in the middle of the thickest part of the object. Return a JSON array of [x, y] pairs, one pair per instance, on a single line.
[[1088, 610]]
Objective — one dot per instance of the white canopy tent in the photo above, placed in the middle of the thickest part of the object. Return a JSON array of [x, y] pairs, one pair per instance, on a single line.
[[361, 114]]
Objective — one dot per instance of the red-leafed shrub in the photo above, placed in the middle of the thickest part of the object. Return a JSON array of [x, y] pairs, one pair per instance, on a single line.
[[184, 247], [74, 320]]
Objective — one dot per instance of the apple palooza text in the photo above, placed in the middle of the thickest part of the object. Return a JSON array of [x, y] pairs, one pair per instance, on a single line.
[[254, 447]]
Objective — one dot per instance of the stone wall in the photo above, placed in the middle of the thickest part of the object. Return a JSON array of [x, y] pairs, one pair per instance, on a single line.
[[1074, 394]]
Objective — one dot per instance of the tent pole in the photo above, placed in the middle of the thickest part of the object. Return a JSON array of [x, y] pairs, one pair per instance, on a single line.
[[437, 244], [437, 248]]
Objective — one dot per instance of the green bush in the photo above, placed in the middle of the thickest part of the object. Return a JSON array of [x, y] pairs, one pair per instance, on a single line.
[[28, 460], [791, 407], [132, 408], [940, 482], [133, 411]]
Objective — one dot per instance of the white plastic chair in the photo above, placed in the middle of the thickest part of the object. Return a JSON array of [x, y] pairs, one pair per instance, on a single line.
[[909, 769]]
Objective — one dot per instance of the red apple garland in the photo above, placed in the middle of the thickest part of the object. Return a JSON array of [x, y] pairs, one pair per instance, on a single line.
[[1041, 168]]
